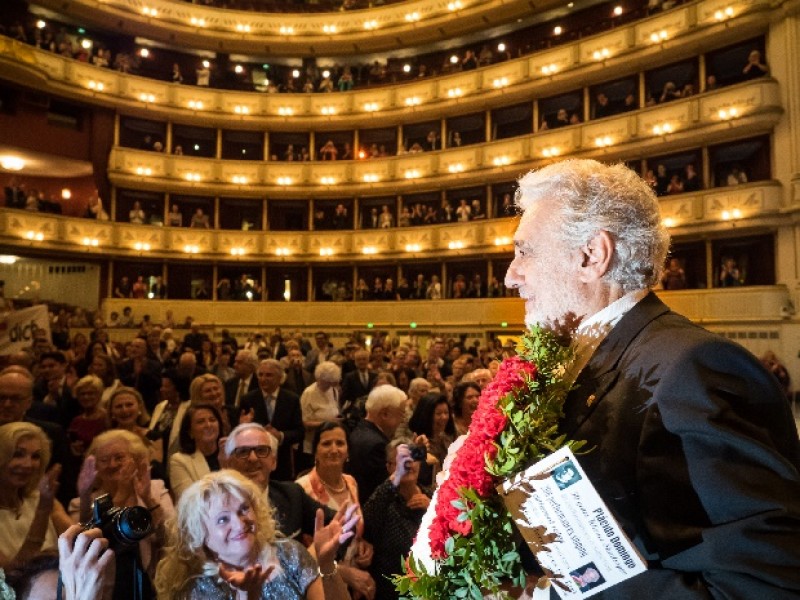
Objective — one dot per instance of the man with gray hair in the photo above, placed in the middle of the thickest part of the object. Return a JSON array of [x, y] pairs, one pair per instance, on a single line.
[[244, 365], [694, 447], [278, 410], [386, 409]]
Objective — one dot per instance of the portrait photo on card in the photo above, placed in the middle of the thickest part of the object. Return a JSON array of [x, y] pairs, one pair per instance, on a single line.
[[565, 475], [587, 577]]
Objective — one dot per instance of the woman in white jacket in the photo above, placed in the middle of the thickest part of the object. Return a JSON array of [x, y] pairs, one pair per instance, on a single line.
[[199, 441]]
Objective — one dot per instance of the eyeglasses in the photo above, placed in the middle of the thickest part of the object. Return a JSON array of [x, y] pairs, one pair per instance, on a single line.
[[106, 460], [243, 452]]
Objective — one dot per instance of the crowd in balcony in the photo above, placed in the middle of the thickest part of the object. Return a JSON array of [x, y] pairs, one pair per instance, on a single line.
[[122, 54]]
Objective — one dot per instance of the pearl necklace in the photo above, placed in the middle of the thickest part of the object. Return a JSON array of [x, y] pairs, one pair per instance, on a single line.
[[338, 490]]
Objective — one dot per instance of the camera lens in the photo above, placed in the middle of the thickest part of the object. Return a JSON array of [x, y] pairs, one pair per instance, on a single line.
[[132, 524]]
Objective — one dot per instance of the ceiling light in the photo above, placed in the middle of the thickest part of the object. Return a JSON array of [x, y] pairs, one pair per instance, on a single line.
[[617, 11], [557, 30], [40, 24], [406, 68], [12, 163], [501, 47]]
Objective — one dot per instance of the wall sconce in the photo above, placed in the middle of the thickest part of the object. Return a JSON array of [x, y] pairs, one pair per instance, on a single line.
[[412, 17], [370, 25], [455, 245], [282, 252], [454, 92], [731, 215], [668, 222], [144, 171], [549, 69], [284, 181], [371, 178], [326, 251], [371, 106], [723, 14], [413, 101], [35, 236], [501, 161], [285, 111], [12, 163], [502, 241], [198, 22], [453, 6], [551, 151], [239, 179], [196, 104], [142, 246], [369, 250], [456, 168], [147, 97], [327, 180], [191, 249], [192, 177], [329, 28], [500, 82], [237, 251], [412, 247], [96, 85], [286, 30], [412, 174], [66, 194], [328, 110], [603, 142], [149, 12], [727, 114], [241, 110], [662, 129], [243, 28], [658, 36], [601, 54], [87, 241]]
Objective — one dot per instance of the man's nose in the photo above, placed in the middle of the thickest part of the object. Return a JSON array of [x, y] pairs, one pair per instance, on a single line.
[[513, 277]]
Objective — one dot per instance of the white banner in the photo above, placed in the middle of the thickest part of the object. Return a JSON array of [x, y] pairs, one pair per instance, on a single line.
[[18, 328]]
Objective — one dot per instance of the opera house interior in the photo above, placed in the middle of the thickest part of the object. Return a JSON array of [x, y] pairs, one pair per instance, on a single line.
[[271, 163]]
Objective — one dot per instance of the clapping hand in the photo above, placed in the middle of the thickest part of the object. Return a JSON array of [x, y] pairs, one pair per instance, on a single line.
[[328, 538], [48, 484]]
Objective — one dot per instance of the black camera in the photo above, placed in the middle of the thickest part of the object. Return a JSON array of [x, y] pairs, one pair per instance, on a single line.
[[418, 452], [123, 527]]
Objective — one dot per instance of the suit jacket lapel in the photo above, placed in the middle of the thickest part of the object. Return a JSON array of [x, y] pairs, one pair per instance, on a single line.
[[602, 370]]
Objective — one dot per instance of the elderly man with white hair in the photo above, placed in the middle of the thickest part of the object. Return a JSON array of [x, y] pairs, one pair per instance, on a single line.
[[386, 409], [245, 364]]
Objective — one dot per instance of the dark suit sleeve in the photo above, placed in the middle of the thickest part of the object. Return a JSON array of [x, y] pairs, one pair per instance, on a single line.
[[290, 420], [718, 481]]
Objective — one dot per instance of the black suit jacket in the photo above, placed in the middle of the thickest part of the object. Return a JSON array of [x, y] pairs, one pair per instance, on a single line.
[[297, 383], [368, 458], [352, 387], [288, 419], [696, 454], [232, 386], [295, 511], [147, 383]]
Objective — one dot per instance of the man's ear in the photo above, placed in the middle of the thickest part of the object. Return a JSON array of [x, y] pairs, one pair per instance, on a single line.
[[596, 256]]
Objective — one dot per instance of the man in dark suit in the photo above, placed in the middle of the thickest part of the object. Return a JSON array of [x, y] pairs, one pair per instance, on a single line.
[[238, 387], [142, 373], [360, 382], [52, 394], [694, 448], [386, 409], [278, 410], [252, 451], [297, 378]]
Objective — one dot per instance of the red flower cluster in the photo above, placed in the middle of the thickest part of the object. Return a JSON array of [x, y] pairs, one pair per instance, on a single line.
[[469, 466]]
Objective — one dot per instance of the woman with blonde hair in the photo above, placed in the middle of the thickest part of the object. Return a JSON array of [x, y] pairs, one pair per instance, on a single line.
[[93, 420], [126, 410], [223, 545], [117, 464], [208, 389], [30, 517]]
